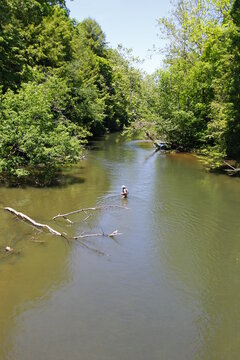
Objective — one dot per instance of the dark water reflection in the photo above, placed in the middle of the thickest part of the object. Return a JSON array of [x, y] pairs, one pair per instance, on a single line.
[[167, 289]]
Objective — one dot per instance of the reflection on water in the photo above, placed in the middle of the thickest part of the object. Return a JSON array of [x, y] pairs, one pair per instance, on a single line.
[[168, 288]]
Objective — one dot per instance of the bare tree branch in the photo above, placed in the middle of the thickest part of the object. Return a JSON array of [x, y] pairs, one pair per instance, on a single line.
[[32, 222], [86, 210], [82, 236]]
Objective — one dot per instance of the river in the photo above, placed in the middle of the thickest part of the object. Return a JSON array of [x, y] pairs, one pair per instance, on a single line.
[[168, 288]]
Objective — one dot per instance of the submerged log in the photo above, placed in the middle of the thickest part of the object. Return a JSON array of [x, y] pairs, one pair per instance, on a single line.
[[33, 222], [91, 248], [82, 236]]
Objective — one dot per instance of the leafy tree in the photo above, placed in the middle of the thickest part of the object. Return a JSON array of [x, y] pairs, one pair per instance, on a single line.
[[60, 81], [50, 41], [93, 37], [198, 91], [19, 21], [104, 74], [34, 132]]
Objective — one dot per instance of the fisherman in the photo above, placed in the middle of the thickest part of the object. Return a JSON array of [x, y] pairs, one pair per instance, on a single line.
[[124, 191]]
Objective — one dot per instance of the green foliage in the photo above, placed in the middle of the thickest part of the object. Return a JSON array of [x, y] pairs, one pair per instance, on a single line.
[[92, 37], [60, 83], [50, 41], [88, 73], [198, 101], [19, 21], [34, 132], [106, 76]]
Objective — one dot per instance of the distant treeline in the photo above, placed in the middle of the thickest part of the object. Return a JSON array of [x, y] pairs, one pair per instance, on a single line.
[[60, 83]]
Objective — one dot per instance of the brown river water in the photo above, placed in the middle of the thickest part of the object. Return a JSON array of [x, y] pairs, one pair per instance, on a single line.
[[168, 288]]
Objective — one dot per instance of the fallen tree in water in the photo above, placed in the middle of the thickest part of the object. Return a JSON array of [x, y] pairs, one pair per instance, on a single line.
[[143, 127], [41, 227]]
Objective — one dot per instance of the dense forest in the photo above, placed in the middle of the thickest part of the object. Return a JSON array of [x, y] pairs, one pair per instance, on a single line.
[[197, 95], [60, 84]]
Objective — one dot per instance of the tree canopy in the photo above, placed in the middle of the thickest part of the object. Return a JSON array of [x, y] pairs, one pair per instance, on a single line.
[[61, 83], [197, 102]]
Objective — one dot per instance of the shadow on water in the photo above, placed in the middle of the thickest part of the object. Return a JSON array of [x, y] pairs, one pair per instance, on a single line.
[[59, 180]]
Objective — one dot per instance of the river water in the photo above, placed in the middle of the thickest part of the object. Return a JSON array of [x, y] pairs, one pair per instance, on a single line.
[[168, 288]]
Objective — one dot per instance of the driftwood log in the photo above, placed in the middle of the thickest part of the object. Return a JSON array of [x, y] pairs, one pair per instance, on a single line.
[[33, 222]]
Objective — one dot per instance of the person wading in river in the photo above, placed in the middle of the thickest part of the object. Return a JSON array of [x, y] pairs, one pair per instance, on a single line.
[[124, 191]]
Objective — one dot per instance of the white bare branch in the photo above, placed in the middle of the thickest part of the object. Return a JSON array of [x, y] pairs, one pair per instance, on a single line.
[[86, 210], [82, 236], [32, 222]]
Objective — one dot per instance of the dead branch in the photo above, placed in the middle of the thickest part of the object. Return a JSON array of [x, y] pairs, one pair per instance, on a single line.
[[32, 222], [86, 210], [232, 167], [114, 233], [68, 220]]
